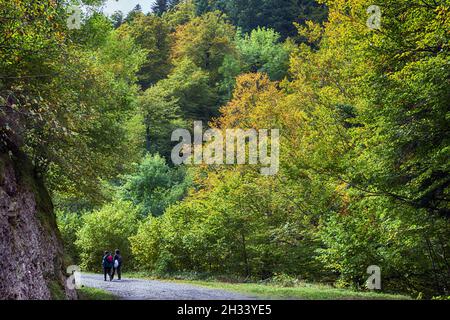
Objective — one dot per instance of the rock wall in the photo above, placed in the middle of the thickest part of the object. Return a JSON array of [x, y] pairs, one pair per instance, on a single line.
[[31, 252]]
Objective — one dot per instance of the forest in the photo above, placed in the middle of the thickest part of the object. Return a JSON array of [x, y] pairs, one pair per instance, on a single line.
[[363, 115]]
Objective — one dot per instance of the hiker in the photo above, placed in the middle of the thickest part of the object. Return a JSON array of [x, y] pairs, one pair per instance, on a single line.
[[107, 264], [117, 265]]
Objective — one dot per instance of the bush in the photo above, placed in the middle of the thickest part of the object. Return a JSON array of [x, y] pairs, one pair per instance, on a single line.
[[285, 280], [68, 224], [155, 186], [105, 230], [223, 233], [408, 246]]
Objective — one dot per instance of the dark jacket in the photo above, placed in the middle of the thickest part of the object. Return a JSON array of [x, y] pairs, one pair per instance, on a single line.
[[106, 263], [118, 257]]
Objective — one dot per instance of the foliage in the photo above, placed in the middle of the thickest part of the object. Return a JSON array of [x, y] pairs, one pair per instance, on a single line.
[[187, 90], [69, 223], [279, 15], [361, 181], [155, 186], [180, 14], [161, 6], [405, 244], [205, 40], [363, 116], [261, 51], [365, 127], [94, 32], [68, 108], [234, 228], [152, 34], [107, 229]]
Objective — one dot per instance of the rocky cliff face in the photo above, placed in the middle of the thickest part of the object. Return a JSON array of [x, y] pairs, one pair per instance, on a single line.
[[31, 253]]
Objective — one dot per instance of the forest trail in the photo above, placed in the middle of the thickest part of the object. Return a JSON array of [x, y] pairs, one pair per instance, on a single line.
[[141, 289]]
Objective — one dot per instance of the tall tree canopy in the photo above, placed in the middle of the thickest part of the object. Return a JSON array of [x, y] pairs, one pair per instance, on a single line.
[[279, 15]]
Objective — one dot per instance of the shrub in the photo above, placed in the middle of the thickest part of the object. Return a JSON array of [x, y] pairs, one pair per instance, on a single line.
[[69, 223], [105, 230]]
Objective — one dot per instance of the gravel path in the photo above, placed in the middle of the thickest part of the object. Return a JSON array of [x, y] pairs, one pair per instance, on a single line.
[[139, 289]]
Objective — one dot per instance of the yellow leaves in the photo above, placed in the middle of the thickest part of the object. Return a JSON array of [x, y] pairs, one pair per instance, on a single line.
[[254, 103], [312, 31], [205, 40], [341, 192]]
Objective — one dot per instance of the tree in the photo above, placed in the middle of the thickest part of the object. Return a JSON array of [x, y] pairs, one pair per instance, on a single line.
[[205, 40], [261, 51], [275, 14], [174, 3], [152, 34], [105, 230], [160, 6], [118, 19], [94, 31], [363, 128], [161, 116], [189, 87], [66, 109], [181, 13], [69, 223], [155, 186], [358, 184], [137, 11]]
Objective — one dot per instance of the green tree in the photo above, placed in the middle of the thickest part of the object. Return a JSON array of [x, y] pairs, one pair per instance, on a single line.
[[274, 14], [261, 51], [117, 19], [155, 186], [205, 40], [69, 223], [65, 107], [161, 116], [151, 33], [136, 12], [180, 14], [160, 6], [360, 109], [105, 230], [189, 87], [94, 31]]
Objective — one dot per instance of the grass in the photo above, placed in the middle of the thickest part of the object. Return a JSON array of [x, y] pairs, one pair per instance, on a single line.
[[87, 293], [304, 291], [301, 291]]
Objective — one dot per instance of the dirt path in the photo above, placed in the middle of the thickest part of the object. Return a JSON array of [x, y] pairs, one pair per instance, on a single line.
[[139, 289]]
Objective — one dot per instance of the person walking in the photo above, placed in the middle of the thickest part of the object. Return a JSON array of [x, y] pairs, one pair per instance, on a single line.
[[117, 265], [107, 264]]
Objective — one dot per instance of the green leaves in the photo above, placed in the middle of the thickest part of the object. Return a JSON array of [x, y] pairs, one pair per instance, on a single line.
[[107, 229], [155, 186], [279, 15], [261, 51]]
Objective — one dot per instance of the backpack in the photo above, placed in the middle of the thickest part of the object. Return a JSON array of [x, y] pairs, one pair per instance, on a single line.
[[109, 259], [116, 264]]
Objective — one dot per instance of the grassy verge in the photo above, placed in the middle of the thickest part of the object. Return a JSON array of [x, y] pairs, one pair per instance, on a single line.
[[303, 291], [86, 293]]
